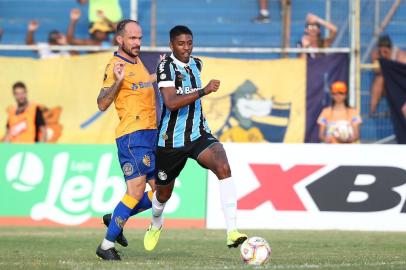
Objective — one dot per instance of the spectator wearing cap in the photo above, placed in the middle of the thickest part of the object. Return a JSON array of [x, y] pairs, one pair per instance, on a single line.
[[55, 37], [339, 123], [98, 32], [388, 51], [312, 35]]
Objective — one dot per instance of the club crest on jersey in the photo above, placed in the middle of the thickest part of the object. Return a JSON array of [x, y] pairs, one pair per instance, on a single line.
[[128, 169], [120, 222], [162, 175], [146, 160], [162, 76]]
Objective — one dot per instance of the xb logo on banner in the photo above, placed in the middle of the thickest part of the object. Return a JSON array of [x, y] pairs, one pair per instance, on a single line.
[[24, 171], [342, 189]]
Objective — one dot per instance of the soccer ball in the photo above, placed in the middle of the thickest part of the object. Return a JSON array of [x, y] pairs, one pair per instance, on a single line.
[[343, 130], [255, 251]]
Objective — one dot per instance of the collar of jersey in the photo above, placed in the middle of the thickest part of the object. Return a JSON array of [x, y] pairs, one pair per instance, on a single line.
[[180, 63], [125, 59]]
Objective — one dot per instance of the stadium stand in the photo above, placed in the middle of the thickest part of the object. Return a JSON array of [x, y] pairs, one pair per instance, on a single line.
[[217, 23]]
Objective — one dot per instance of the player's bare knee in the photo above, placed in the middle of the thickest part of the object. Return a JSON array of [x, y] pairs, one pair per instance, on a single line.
[[136, 194], [163, 196], [223, 171]]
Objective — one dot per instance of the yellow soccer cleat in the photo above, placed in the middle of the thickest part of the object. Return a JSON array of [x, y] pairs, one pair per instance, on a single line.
[[234, 239], [151, 237]]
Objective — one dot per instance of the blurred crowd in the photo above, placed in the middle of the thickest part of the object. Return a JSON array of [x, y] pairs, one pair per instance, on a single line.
[[339, 123]]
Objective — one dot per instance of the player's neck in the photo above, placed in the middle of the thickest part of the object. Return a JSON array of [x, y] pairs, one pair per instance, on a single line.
[[339, 106], [126, 56]]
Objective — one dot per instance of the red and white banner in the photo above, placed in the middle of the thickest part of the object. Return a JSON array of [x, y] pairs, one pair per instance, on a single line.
[[315, 186]]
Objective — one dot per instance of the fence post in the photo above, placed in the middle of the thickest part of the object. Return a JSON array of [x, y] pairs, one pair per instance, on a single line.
[[354, 76], [134, 10]]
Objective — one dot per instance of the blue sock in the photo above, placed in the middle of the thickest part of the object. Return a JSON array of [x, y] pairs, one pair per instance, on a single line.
[[119, 217], [144, 204]]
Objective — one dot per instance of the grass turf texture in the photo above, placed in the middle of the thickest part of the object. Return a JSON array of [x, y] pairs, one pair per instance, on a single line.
[[73, 248]]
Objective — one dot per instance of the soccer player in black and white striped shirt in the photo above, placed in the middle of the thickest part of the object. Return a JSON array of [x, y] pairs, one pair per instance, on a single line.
[[184, 133]]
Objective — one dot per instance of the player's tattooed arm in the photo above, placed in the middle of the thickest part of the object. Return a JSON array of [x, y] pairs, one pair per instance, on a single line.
[[108, 94]]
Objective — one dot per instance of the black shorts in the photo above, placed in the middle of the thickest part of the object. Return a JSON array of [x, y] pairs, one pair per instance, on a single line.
[[170, 161]]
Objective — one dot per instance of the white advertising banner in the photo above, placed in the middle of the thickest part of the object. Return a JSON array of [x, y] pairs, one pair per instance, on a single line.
[[315, 186]]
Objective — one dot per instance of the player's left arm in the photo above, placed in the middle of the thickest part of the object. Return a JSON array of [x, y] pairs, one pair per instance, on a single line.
[[173, 101]]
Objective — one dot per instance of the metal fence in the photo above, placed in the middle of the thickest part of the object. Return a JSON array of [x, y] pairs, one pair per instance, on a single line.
[[359, 23]]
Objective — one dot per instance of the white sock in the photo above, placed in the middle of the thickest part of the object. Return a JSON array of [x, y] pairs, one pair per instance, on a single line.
[[228, 196], [264, 12], [157, 209], [106, 244]]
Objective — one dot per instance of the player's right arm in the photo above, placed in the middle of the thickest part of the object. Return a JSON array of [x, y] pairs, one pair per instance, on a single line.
[[166, 83], [111, 85]]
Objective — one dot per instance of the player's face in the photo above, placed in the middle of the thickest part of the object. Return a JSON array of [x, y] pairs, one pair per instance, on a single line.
[[130, 42], [339, 97], [100, 35], [182, 47], [20, 95], [385, 52], [312, 29]]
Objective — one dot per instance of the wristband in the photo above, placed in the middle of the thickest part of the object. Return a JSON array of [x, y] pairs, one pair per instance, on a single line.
[[201, 92]]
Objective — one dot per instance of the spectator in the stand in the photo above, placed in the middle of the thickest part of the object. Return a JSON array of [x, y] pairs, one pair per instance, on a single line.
[[263, 16], [25, 121], [104, 10], [339, 123], [312, 37], [1, 33], [98, 32], [55, 37], [388, 51]]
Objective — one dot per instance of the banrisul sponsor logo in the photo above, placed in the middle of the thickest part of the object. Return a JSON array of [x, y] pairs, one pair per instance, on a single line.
[[76, 189]]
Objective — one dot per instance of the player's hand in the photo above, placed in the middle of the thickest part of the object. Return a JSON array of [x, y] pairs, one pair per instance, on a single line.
[[162, 57], [212, 86], [75, 14], [33, 25], [118, 70]]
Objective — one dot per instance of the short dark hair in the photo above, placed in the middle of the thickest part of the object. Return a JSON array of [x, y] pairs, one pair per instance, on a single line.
[[179, 30], [51, 36], [384, 41], [19, 85], [121, 26]]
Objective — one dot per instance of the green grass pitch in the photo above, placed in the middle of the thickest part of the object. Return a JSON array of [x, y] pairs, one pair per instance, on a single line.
[[73, 248]]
